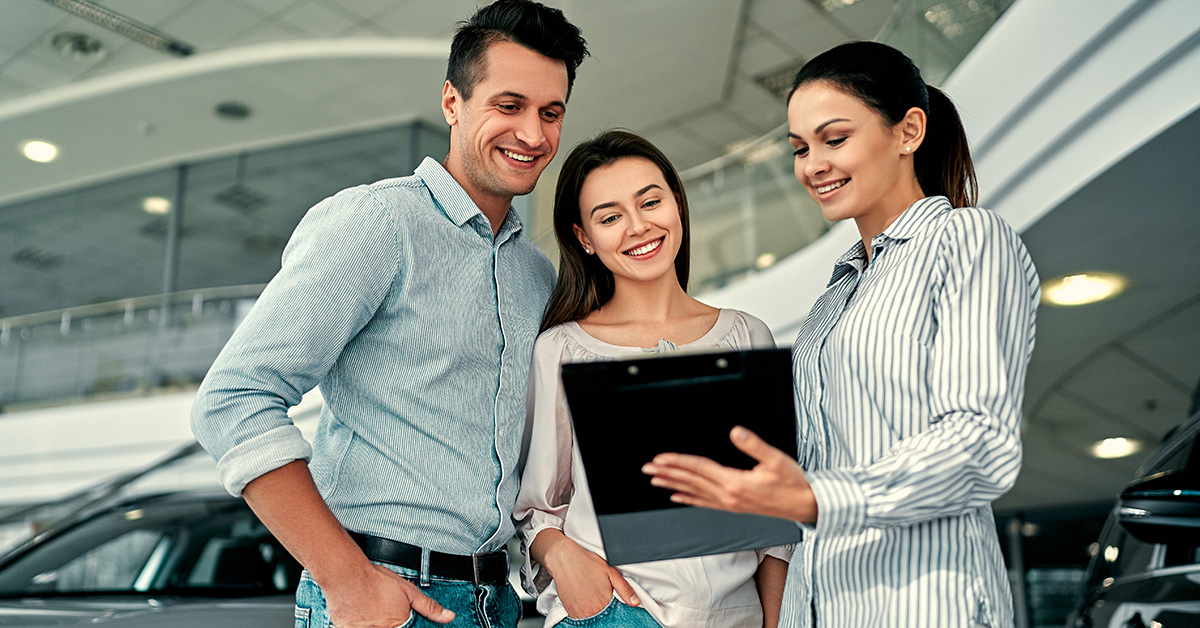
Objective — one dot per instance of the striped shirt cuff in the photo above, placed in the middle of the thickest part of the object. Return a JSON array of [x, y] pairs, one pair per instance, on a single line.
[[263, 453], [841, 503]]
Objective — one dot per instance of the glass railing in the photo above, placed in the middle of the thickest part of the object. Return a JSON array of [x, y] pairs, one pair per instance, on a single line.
[[748, 211], [117, 348]]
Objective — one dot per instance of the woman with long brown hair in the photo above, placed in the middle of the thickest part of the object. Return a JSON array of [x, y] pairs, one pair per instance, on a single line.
[[621, 220]]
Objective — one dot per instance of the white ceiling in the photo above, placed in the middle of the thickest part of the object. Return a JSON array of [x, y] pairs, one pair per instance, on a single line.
[[1126, 367], [679, 71]]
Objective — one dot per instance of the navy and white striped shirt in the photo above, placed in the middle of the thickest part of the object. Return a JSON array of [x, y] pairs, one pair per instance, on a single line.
[[909, 376], [418, 326]]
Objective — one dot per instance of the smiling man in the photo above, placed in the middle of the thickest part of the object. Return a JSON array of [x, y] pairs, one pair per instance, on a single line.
[[413, 303]]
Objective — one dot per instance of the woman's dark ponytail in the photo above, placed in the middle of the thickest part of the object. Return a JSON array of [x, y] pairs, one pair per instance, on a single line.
[[943, 162], [889, 82]]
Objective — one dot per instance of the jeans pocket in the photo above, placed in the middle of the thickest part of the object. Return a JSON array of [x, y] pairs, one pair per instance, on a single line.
[[411, 621], [310, 604], [586, 621], [302, 616]]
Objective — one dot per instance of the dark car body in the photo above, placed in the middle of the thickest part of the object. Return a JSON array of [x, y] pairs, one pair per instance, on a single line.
[[1146, 571], [179, 559]]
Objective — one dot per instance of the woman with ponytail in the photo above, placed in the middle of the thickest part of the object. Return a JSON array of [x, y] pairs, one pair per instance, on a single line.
[[909, 370]]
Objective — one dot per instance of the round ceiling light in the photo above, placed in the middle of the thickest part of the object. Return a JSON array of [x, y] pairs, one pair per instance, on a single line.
[[1115, 448], [156, 205], [78, 46], [39, 151], [1082, 289]]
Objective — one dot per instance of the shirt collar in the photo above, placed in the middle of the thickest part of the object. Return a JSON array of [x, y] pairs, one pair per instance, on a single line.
[[908, 224], [852, 260], [915, 218], [456, 203]]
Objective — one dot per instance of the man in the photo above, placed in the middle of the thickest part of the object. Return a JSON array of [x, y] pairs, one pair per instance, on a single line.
[[413, 303]]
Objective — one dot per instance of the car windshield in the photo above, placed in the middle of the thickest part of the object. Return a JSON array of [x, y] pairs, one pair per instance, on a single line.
[[182, 545]]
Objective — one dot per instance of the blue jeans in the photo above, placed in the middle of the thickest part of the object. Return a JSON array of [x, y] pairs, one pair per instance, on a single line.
[[617, 615], [474, 606]]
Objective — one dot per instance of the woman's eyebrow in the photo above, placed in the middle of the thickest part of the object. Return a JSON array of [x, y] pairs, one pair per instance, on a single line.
[[614, 203], [602, 206], [829, 122], [819, 128]]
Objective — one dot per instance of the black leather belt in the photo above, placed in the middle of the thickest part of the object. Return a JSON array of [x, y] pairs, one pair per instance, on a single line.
[[490, 568]]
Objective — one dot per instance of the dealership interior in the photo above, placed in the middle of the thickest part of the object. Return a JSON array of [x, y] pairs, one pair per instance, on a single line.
[[155, 156]]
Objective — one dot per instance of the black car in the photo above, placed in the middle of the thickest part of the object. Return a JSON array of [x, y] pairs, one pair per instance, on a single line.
[[152, 547], [177, 559], [1146, 570]]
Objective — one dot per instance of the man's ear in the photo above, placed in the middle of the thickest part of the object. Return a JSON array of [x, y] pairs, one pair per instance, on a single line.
[[582, 237], [451, 101], [912, 129]]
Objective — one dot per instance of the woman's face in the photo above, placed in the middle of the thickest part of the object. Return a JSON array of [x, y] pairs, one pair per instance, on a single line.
[[848, 157], [630, 220]]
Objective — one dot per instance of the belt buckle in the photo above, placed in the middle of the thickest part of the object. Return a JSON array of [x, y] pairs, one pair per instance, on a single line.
[[475, 568]]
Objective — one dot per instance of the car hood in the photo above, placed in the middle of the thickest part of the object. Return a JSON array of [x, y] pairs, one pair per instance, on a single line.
[[143, 612]]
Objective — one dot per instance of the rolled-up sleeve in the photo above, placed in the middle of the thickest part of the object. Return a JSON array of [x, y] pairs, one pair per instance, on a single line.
[[337, 269]]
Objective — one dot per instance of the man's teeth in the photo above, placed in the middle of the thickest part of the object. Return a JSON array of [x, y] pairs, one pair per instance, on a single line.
[[519, 157], [832, 186], [645, 248]]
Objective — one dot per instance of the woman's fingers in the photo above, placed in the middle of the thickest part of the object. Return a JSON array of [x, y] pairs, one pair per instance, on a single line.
[[681, 472], [622, 588], [776, 486], [696, 481], [754, 446]]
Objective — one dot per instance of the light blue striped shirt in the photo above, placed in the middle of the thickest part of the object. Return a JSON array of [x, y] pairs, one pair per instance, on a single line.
[[909, 376], [418, 326]]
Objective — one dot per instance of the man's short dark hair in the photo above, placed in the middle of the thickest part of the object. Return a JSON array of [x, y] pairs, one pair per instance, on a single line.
[[531, 24]]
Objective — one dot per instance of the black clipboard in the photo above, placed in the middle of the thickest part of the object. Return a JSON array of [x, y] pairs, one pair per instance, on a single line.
[[626, 412]]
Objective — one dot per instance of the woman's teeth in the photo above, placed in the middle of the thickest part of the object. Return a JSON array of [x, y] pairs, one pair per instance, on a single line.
[[832, 186], [645, 248]]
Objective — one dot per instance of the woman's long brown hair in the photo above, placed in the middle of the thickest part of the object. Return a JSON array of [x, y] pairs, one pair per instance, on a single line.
[[584, 283]]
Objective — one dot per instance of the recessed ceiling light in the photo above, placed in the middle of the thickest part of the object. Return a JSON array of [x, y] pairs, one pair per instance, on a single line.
[[156, 205], [39, 151], [1082, 289], [232, 110], [123, 25], [1115, 448], [78, 46], [829, 6], [765, 261]]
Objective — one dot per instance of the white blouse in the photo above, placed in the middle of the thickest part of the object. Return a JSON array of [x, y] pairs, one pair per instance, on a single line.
[[701, 591]]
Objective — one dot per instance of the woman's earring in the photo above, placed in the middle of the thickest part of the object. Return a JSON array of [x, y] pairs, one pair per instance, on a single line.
[[908, 149], [587, 250]]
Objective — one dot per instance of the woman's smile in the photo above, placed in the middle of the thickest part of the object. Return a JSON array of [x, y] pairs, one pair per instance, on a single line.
[[822, 189], [631, 219], [644, 250]]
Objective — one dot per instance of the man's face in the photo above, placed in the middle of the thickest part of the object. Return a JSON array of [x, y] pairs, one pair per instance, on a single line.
[[507, 132]]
